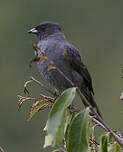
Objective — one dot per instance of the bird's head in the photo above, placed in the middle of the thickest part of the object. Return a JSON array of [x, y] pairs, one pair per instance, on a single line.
[[45, 29]]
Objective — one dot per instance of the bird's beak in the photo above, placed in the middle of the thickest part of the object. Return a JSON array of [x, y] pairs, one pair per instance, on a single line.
[[33, 31]]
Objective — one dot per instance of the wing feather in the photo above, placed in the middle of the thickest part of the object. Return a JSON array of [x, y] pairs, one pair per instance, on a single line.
[[74, 58]]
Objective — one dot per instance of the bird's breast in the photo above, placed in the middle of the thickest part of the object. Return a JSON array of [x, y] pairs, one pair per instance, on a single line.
[[54, 67]]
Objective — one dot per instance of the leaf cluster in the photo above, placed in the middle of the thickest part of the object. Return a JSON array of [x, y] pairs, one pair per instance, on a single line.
[[71, 130]]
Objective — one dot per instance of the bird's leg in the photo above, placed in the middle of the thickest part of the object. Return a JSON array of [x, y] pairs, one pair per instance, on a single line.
[[56, 94], [73, 109]]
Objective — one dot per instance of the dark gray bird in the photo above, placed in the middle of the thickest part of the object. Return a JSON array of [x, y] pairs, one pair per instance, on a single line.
[[57, 53]]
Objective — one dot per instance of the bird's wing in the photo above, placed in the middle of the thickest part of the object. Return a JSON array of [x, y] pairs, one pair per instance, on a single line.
[[72, 55]]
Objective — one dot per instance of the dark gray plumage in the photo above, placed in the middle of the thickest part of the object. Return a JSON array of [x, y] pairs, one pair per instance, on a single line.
[[66, 57]]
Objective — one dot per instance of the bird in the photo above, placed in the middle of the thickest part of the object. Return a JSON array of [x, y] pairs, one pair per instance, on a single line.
[[60, 62]]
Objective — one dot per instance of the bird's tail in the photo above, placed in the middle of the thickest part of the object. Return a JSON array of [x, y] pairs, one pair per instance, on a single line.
[[91, 100]]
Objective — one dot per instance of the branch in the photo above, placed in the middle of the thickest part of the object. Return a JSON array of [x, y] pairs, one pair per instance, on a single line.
[[32, 79]]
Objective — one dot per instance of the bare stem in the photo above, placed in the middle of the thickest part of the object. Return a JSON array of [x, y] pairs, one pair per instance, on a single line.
[[22, 99], [32, 79], [42, 85], [98, 120]]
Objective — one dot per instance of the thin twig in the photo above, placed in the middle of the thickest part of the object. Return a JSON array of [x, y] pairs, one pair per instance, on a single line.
[[58, 150], [22, 99], [51, 99], [101, 122], [42, 85], [92, 141], [62, 73], [32, 79]]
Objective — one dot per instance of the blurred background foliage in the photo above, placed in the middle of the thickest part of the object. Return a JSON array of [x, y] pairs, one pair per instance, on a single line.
[[95, 27]]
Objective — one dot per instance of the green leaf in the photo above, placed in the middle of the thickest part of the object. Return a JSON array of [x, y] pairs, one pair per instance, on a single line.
[[60, 132], [107, 144], [78, 136], [114, 147], [38, 105], [104, 143], [68, 124], [57, 118], [57, 138]]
